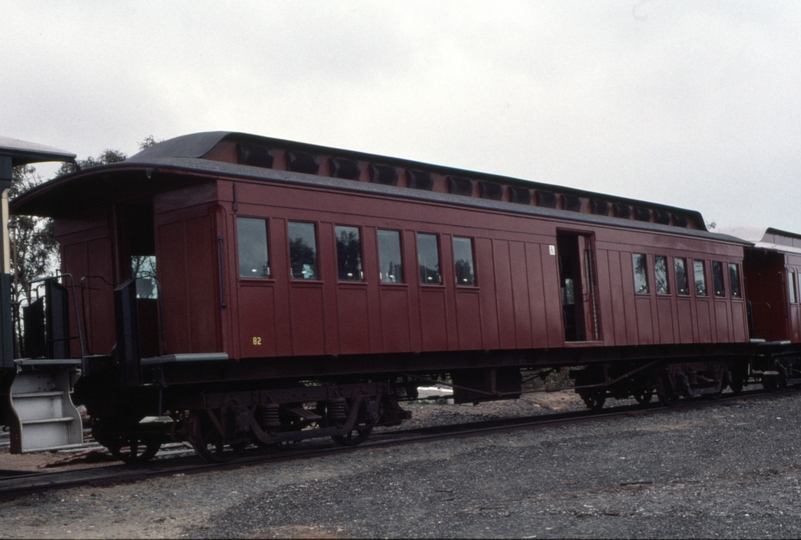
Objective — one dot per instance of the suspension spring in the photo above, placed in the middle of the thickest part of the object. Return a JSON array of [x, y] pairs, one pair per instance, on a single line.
[[336, 410], [269, 416]]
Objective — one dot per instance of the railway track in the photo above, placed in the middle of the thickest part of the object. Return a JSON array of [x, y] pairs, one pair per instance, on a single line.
[[178, 459]]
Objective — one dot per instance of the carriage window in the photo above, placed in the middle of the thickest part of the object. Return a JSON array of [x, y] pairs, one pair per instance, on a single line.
[[682, 283], [302, 250], [428, 259], [640, 273], [791, 286], [349, 253], [389, 257], [734, 280], [717, 278], [463, 261], [661, 275], [700, 278], [252, 243], [143, 270]]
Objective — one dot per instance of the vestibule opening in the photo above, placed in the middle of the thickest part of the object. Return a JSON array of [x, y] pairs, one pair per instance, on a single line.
[[577, 283], [136, 249]]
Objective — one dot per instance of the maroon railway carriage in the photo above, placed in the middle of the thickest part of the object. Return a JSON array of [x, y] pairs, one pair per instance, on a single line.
[[771, 269], [224, 282]]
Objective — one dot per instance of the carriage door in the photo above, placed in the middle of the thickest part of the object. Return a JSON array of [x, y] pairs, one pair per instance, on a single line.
[[577, 282], [137, 252]]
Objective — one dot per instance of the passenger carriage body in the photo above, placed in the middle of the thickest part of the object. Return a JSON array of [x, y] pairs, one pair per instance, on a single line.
[[286, 267]]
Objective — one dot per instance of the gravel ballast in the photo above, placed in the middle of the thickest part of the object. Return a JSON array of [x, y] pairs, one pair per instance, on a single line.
[[727, 470]]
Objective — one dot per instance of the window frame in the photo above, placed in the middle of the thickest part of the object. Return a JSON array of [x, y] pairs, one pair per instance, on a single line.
[[473, 272], [266, 223], [702, 263], [715, 276], [361, 277], [641, 285], [679, 290], [292, 276], [738, 287], [664, 258], [381, 279], [792, 290], [437, 244]]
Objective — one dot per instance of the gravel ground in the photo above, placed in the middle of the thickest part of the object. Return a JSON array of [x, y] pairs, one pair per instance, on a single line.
[[728, 470]]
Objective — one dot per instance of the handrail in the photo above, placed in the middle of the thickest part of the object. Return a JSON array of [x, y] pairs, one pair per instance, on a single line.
[[74, 306]]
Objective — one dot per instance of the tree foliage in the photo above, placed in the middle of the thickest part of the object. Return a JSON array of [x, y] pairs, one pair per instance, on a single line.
[[34, 250], [107, 157]]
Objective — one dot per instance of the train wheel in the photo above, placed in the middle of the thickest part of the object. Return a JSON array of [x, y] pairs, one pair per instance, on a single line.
[[770, 383], [643, 397], [737, 383], [208, 441], [594, 400], [364, 426], [131, 449], [354, 437], [664, 391], [135, 450]]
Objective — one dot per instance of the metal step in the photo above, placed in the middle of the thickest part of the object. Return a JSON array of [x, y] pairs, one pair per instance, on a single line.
[[44, 417], [304, 414]]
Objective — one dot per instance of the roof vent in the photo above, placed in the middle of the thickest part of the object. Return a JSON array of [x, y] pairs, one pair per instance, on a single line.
[[600, 207], [302, 162], [460, 186], [546, 199], [571, 202], [420, 180], [642, 214], [383, 174], [344, 168], [255, 156], [622, 210], [680, 220], [519, 195], [662, 217], [491, 190]]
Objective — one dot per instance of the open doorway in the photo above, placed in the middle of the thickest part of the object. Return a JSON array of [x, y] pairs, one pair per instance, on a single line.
[[137, 260], [577, 283]]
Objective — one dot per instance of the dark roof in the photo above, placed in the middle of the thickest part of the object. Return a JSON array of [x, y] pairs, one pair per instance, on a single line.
[[24, 152], [53, 198], [66, 195], [195, 145]]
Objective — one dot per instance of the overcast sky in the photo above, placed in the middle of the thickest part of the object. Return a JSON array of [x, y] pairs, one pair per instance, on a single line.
[[691, 103]]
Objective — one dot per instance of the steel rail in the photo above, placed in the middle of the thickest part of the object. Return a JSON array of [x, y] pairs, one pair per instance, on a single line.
[[14, 485]]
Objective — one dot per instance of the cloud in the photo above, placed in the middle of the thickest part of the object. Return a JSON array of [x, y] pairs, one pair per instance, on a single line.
[[671, 101]]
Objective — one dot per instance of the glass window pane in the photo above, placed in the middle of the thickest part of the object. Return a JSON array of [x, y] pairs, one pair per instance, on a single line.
[[568, 293], [734, 280], [428, 258], [349, 253], [252, 243], [661, 275], [717, 278], [463, 261], [682, 282], [791, 286], [389, 257], [700, 278], [143, 270], [303, 250], [640, 273]]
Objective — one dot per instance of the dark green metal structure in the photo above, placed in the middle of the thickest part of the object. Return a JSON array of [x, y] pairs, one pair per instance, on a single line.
[[14, 153]]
